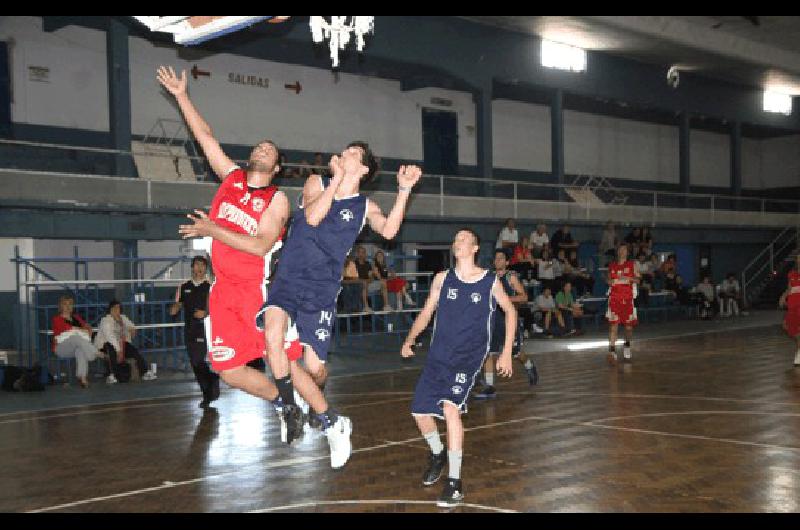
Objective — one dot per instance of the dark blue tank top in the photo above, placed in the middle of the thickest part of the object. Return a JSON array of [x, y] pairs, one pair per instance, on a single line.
[[463, 319], [314, 255]]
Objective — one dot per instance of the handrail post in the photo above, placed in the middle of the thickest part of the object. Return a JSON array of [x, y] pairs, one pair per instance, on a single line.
[[655, 207], [441, 195], [515, 200], [712, 208]]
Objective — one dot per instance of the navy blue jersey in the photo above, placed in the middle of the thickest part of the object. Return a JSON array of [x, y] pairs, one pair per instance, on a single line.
[[313, 256], [499, 320], [459, 345]]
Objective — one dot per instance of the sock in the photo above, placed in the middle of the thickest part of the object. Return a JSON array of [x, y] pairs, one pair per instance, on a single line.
[[434, 442], [327, 418], [490, 379], [528, 364], [285, 389], [454, 464]]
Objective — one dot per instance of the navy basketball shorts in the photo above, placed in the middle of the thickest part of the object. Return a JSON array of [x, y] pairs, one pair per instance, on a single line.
[[499, 337], [445, 381], [311, 315]]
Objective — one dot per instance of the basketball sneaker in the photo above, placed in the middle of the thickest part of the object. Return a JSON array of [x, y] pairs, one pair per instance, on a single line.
[[612, 358], [626, 353], [436, 465], [533, 375], [488, 392], [292, 420], [453, 494], [339, 441]]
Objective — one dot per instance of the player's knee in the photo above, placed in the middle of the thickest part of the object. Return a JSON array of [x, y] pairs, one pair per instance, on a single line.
[[319, 374]]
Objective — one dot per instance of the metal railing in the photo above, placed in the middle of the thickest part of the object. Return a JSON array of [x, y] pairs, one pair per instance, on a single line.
[[651, 206], [763, 263]]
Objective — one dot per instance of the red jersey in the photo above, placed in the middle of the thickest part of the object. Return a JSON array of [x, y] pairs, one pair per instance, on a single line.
[[59, 326], [619, 271], [793, 300], [239, 209]]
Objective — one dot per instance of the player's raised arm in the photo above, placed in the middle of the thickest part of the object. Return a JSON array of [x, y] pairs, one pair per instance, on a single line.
[[269, 228], [424, 317], [316, 201], [176, 86], [388, 227]]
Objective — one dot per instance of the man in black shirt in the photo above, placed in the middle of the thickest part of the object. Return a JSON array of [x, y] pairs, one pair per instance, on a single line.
[[193, 295], [562, 240]]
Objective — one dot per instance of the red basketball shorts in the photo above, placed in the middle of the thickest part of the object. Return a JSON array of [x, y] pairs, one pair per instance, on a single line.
[[791, 321], [621, 311], [231, 333]]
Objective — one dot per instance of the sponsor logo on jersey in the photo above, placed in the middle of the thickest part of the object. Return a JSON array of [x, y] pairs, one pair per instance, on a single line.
[[456, 390], [475, 297], [322, 334], [452, 294], [218, 341], [235, 215], [221, 354], [258, 204], [238, 185], [346, 215]]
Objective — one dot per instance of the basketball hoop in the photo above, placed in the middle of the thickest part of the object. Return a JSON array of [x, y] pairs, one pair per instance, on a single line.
[[338, 30]]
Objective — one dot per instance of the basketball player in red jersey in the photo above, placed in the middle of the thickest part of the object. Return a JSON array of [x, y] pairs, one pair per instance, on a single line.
[[791, 301], [246, 213], [623, 275]]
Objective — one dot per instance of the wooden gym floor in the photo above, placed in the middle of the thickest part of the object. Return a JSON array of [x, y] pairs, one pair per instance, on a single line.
[[704, 423]]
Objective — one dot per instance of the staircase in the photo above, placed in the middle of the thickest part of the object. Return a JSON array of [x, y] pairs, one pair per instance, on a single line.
[[167, 154], [595, 191], [764, 278]]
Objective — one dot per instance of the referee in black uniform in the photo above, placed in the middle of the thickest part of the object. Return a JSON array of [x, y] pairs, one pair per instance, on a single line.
[[193, 295]]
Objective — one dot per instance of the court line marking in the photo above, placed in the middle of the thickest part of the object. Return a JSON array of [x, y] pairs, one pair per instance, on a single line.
[[305, 460], [377, 501], [695, 413]]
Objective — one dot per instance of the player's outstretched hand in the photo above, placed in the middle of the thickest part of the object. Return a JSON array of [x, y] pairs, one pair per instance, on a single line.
[[170, 81], [407, 352], [504, 365], [408, 176], [201, 227]]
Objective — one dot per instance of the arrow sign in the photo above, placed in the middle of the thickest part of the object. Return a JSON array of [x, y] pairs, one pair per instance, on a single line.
[[297, 87], [196, 72]]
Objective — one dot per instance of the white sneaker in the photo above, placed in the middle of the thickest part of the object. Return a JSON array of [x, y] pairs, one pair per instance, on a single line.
[[526, 334], [149, 376], [111, 380], [626, 353], [339, 441], [797, 358], [537, 329], [410, 302]]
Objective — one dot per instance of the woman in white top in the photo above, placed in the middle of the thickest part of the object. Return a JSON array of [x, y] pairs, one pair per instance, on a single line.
[[509, 237], [547, 271], [539, 239], [114, 336]]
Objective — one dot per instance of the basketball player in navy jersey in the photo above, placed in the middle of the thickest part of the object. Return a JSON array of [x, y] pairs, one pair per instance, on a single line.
[[464, 299], [302, 297], [518, 295]]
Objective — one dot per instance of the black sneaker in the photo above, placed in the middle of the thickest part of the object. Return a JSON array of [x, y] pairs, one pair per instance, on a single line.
[[205, 403], [294, 419], [435, 467], [214, 392], [488, 392], [453, 494]]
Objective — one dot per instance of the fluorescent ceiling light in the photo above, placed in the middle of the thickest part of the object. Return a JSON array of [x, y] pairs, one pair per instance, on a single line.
[[563, 56], [777, 102]]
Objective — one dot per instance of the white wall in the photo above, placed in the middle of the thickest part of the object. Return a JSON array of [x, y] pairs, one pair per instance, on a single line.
[[617, 148], [7, 273], [77, 92], [521, 135], [771, 163], [709, 159]]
